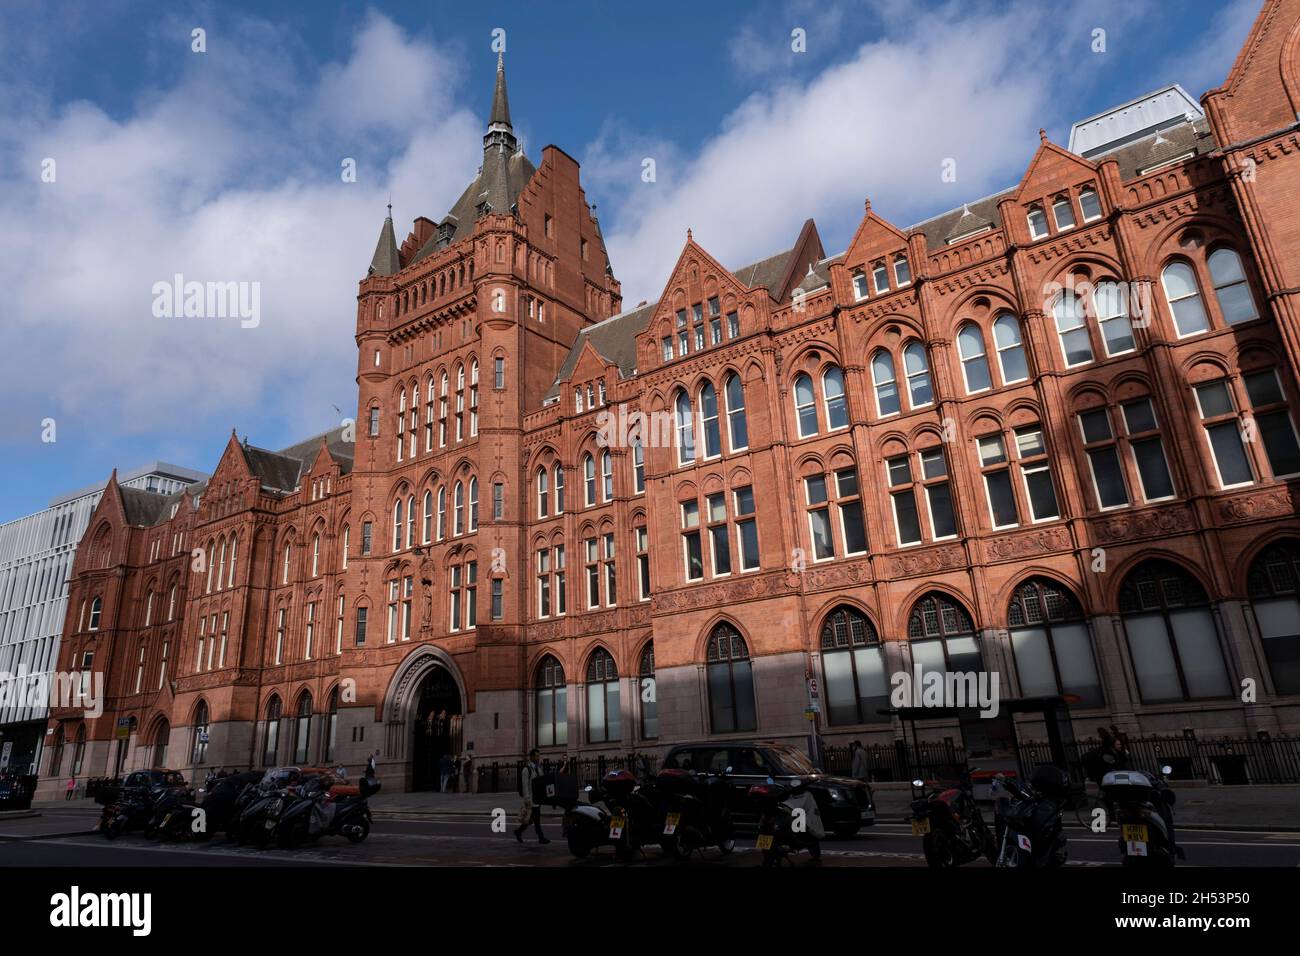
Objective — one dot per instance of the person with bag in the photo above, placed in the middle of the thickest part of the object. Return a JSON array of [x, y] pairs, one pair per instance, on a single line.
[[529, 812]]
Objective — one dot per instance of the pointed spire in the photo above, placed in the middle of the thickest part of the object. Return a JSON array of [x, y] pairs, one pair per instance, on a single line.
[[499, 131], [385, 261]]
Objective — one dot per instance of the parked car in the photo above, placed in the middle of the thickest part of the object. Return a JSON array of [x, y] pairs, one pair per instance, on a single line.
[[845, 805]]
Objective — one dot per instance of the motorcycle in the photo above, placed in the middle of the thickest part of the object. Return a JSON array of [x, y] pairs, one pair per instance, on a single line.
[[694, 810], [949, 822], [322, 805], [171, 816], [1030, 834], [221, 802], [249, 823], [128, 809], [620, 813], [788, 822], [1141, 804]]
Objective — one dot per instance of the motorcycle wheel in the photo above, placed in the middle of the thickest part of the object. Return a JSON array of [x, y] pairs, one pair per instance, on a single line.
[[579, 846], [115, 829], [727, 845], [672, 847], [359, 832], [938, 850]]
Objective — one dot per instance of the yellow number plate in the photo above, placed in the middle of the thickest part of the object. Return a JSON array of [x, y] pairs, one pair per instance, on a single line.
[[670, 823], [765, 841], [616, 825], [1135, 831], [920, 827]]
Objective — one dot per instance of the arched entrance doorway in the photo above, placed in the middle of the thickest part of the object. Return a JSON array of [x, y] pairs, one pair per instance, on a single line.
[[436, 727]]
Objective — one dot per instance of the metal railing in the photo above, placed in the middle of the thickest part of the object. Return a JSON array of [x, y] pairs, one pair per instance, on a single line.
[[503, 776]]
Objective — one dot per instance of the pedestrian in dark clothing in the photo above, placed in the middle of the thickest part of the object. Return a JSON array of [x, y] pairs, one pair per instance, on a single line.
[[530, 813]]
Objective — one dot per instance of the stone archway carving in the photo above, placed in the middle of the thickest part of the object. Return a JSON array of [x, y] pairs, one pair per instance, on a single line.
[[400, 697]]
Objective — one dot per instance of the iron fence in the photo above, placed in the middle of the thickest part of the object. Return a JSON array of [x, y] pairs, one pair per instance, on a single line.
[[1262, 759]]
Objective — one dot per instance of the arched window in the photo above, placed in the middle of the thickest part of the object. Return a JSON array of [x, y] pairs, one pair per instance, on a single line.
[[96, 607], [543, 494], [603, 718], [853, 662], [56, 758], [398, 523], [1063, 213], [709, 421], [737, 427], [974, 363], [148, 608], [426, 531], [606, 476], [288, 553], [1108, 302], [1050, 640], [731, 682], [332, 734], [1011, 353], [685, 429], [458, 507], [919, 392], [1037, 222], [589, 480], [1172, 637], [473, 503], [221, 565], [882, 376], [648, 691], [271, 736], [199, 741], [315, 555], [1275, 599], [942, 637], [410, 521], [79, 750], [805, 405], [161, 738], [837, 412], [550, 697], [1230, 287], [638, 467], [442, 513], [1072, 328], [559, 489], [1184, 297], [302, 730], [1090, 204]]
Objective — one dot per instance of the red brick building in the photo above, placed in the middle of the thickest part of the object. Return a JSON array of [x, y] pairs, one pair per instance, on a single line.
[[1050, 434]]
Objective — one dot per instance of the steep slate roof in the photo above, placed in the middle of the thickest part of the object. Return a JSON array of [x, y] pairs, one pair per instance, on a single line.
[[613, 339], [305, 451], [385, 261], [144, 508]]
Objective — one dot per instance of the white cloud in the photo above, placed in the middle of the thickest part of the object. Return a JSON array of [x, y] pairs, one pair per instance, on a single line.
[[963, 82], [231, 174]]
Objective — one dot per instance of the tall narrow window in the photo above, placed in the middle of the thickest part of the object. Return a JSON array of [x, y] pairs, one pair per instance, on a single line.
[[426, 530], [458, 508], [709, 421], [1148, 451], [819, 517], [1184, 297], [805, 405], [442, 513], [399, 523], [603, 718], [550, 704], [1103, 458], [880, 276], [902, 271], [543, 493], [746, 533], [271, 739], [719, 533], [315, 555], [685, 430], [473, 503], [882, 376], [638, 467], [642, 563], [837, 412], [1108, 301], [1230, 287], [693, 551], [279, 636], [859, 284], [1063, 213], [310, 633], [1273, 421], [1037, 473], [1090, 204], [938, 493], [1272, 584], [1072, 327], [907, 520], [974, 364], [918, 376], [737, 428], [589, 480], [1037, 222], [606, 476], [1223, 431], [302, 730], [648, 693], [1011, 353]]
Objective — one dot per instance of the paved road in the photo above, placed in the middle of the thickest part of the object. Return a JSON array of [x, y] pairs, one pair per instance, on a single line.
[[455, 840]]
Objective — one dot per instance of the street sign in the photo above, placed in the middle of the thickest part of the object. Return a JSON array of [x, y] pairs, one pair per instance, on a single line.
[[123, 729], [809, 715]]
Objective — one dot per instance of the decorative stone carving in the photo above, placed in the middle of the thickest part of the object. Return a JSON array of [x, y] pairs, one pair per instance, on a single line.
[[1168, 520], [1267, 504], [1027, 543]]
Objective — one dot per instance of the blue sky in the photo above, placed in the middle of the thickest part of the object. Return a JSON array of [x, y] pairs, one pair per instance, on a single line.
[[225, 166]]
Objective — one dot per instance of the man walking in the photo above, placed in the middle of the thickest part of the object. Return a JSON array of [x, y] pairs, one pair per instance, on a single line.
[[530, 812], [858, 761]]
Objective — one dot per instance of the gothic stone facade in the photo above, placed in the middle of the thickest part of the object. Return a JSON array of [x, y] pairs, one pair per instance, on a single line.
[[921, 452]]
